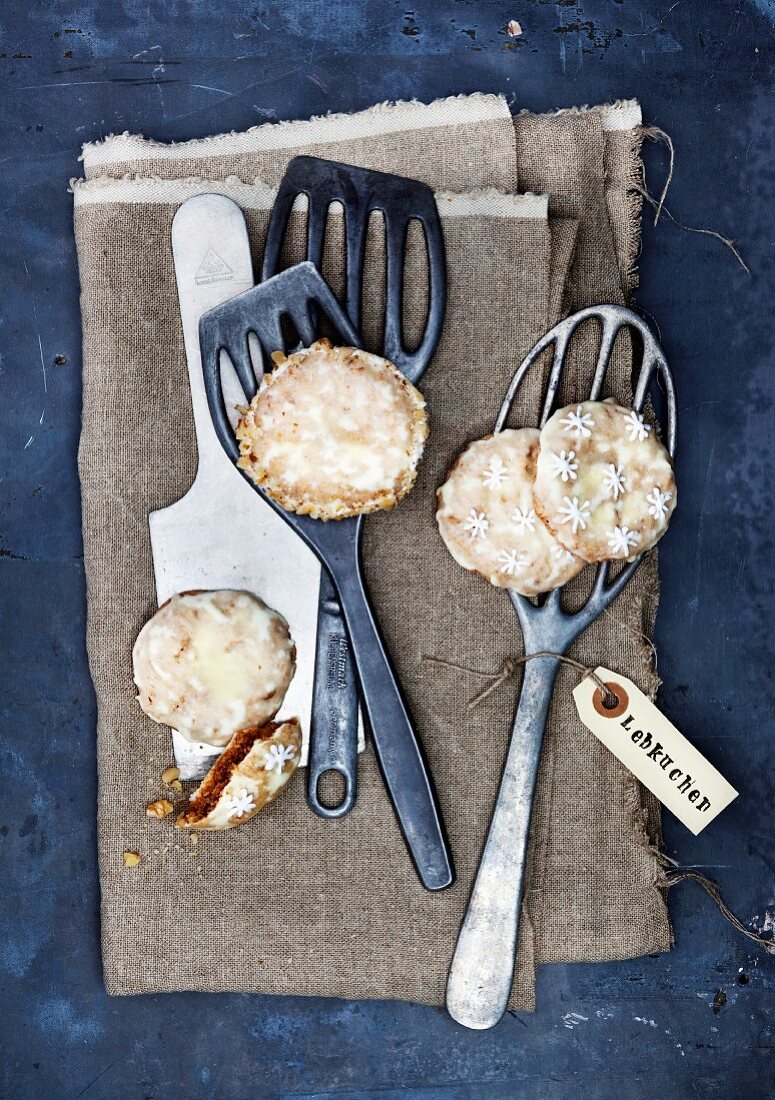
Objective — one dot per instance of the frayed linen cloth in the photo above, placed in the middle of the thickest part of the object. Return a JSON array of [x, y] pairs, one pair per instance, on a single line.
[[292, 904]]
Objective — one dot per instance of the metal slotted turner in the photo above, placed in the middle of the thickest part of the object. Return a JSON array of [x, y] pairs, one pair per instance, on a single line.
[[301, 295], [482, 966], [360, 192]]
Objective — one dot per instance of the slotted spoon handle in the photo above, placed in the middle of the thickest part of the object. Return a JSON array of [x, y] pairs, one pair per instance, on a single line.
[[482, 967]]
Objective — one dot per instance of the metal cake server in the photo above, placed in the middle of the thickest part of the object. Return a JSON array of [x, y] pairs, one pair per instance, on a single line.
[[482, 966], [221, 534], [360, 192], [301, 295]]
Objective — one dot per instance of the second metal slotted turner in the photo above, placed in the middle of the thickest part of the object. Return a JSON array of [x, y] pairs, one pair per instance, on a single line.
[[482, 967], [300, 295], [359, 192]]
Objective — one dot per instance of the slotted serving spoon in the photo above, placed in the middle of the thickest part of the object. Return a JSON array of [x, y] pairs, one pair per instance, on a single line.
[[482, 968], [361, 192], [301, 295]]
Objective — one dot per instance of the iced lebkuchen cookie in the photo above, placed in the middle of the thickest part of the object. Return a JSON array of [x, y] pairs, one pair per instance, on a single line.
[[211, 663], [604, 483], [333, 432], [487, 520], [249, 774]]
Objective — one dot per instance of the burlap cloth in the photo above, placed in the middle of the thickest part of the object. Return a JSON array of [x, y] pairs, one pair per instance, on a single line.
[[293, 904]]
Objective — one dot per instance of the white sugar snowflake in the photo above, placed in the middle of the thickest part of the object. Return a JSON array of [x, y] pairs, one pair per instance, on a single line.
[[240, 804], [578, 422], [657, 502], [562, 465], [560, 554], [278, 756], [524, 519], [511, 562], [476, 524], [621, 540], [570, 511], [494, 474], [636, 428], [614, 481]]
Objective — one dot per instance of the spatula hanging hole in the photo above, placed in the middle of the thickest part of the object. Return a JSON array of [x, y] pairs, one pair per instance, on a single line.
[[331, 788], [234, 397], [415, 302], [374, 283]]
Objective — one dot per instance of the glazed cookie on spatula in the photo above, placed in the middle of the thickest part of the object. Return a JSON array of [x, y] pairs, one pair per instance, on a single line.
[[604, 484], [487, 519], [333, 432]]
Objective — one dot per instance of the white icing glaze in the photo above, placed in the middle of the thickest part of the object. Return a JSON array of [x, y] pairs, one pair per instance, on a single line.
[[211, 663], [492, 528], [334, 432], [623, 492], [253, 781]]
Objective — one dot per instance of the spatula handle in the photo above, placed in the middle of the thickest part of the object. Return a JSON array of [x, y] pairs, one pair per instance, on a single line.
[[482, 967], [333, 744], [398, 751]]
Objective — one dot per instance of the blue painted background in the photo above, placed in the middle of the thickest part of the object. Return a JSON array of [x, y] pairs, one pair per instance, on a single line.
[[71, 72]]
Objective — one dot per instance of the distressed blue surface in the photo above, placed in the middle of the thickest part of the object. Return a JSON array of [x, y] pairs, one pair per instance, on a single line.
[[70, 72]]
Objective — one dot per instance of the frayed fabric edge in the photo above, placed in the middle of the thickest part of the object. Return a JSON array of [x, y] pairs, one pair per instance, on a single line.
[[380, 119], [258, 195], [622, 114]]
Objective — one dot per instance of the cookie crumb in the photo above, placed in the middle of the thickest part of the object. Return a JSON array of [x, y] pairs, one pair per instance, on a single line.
[[131, 859], [160, 808]]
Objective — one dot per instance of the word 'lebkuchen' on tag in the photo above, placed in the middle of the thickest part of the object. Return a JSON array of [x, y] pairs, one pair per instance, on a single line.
[[653, 749]]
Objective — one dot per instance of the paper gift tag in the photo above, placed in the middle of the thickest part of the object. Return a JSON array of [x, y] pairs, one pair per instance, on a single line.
[[653, 750]]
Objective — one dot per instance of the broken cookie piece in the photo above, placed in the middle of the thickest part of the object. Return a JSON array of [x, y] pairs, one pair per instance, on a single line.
[[252, 771]]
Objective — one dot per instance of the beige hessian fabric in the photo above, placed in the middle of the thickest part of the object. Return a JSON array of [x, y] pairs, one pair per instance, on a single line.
[[291, 904]]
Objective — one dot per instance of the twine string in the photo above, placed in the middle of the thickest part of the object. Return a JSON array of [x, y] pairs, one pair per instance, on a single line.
[[676, 873], [508, 669], [654, 133]]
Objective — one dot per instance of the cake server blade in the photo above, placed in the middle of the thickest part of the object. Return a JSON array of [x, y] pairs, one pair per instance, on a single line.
[[221, 534]]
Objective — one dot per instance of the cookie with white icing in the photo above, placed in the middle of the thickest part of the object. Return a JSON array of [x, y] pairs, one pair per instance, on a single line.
[[333, 432], [604, 483], [211, 663], [487, 520], [252, 771]]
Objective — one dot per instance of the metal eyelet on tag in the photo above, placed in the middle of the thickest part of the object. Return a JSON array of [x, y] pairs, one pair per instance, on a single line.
[[622, 701]]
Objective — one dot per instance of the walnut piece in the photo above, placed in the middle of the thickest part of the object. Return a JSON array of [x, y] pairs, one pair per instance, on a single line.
[[160, 808], [131, 859], [169, 775]]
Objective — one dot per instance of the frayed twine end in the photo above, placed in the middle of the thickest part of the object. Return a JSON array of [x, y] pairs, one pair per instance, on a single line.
[[655, 133]]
